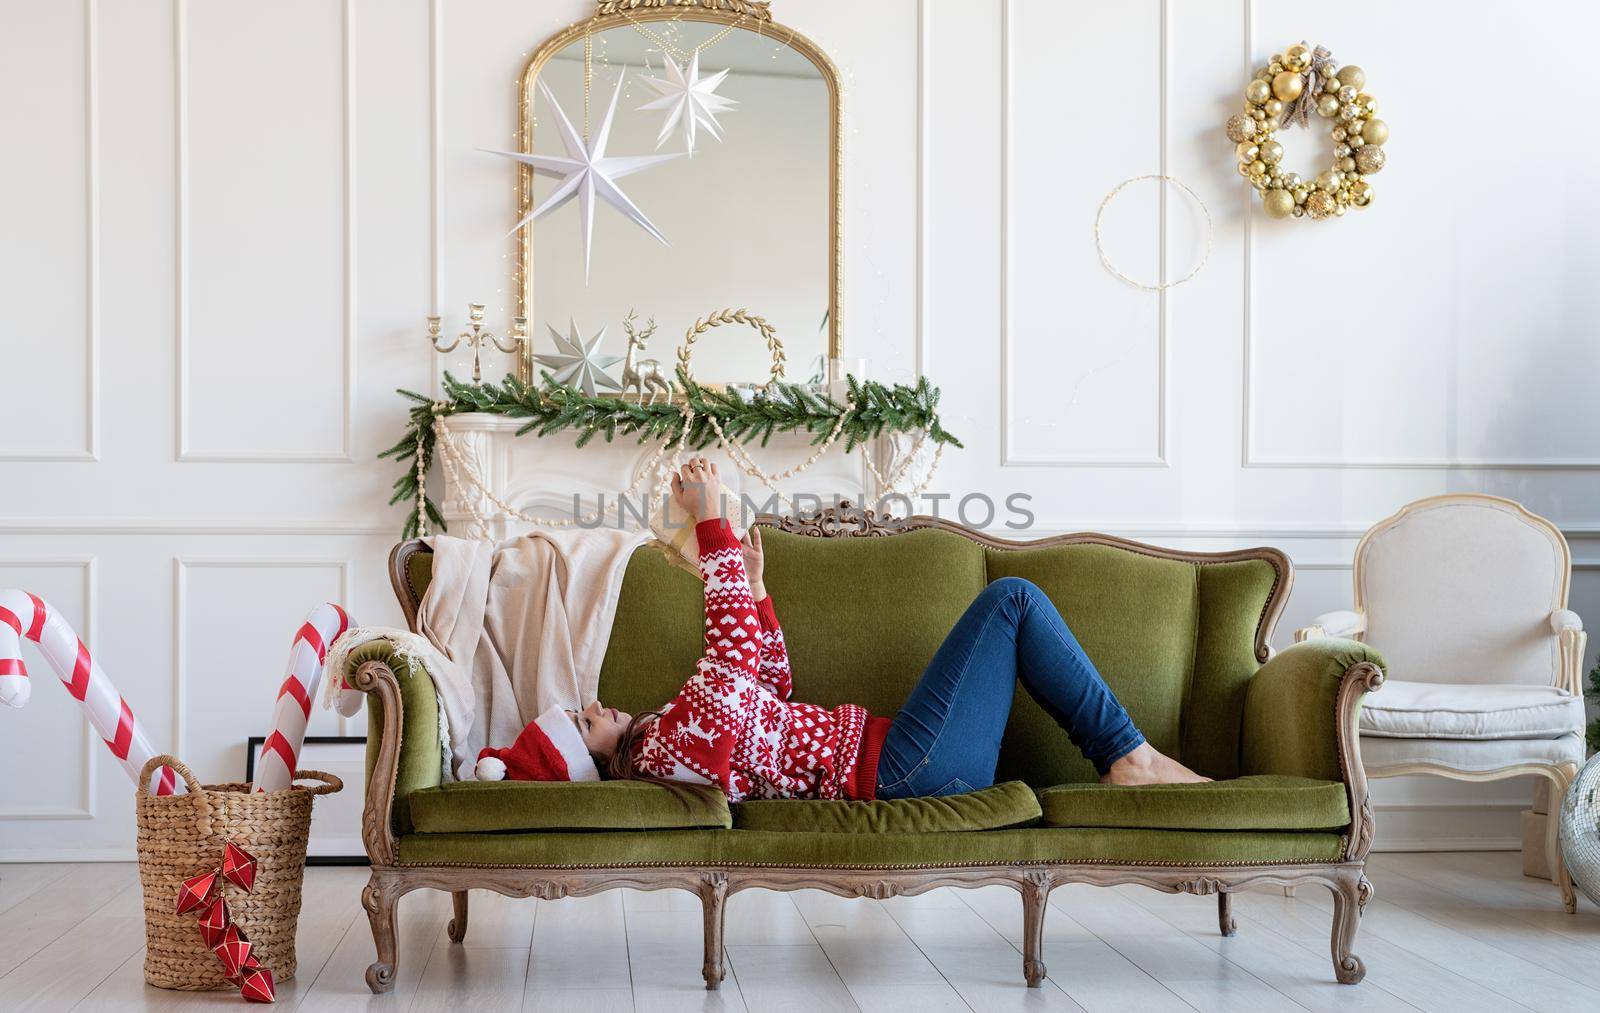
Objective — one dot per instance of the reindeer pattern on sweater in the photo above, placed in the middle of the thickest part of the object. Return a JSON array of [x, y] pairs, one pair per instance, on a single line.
[[733, 724]]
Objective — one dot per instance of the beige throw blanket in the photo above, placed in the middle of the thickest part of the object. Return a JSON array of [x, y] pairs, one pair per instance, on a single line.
[[523, 626]]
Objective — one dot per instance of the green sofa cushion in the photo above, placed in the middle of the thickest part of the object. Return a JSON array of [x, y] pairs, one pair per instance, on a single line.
[[1135, 616], [1262, 802], [480, 806], [1004, 805], [756, 847], [830, 595]]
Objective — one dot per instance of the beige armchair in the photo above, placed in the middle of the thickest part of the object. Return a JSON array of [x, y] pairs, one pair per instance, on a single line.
[[1466, 596]]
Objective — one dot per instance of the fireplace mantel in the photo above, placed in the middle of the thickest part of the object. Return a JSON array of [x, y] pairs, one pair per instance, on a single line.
[[541, 475]]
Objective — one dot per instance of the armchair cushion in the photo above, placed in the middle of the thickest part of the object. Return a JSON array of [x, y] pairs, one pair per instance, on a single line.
[[1440, 710], [1383, 756], [1011, 804], [479, 806], [1261, 802]]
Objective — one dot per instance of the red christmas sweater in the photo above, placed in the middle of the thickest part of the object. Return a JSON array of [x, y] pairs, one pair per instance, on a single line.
[[733, 725]]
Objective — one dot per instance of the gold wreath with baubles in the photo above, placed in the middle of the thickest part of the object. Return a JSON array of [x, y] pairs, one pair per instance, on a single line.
[[1287, 90]]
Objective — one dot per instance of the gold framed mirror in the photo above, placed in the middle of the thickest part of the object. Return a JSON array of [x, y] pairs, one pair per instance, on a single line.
[[718, 137]]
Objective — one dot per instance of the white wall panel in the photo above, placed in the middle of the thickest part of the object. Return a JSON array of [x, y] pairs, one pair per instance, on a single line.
[[266, 244], [59, 785], [48, 174], [1452, 312], [235, 619], [1083, 354]]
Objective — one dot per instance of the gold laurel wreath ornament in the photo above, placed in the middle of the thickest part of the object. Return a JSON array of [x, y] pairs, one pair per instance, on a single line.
[[1296, 83]]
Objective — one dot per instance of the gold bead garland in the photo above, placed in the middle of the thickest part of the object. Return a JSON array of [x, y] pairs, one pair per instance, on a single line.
[[1292, 82]]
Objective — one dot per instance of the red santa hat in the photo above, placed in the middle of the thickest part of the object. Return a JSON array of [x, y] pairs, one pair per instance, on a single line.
[[549, 749]]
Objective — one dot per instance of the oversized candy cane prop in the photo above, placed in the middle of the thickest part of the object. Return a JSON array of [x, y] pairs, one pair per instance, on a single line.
[[281, 750], [27, 615]]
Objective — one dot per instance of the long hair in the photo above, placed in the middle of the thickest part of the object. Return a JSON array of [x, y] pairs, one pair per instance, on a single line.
[[622, 766]]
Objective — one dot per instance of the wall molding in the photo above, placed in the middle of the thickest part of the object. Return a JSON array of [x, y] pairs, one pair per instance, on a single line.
[[1249, 458], [213, 525], [922, 308], [91, 337], [1008, 458], [345, 453], [181, 565], [90, 633]]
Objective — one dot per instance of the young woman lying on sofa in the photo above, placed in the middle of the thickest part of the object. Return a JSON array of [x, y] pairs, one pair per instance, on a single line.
[[734, 725]]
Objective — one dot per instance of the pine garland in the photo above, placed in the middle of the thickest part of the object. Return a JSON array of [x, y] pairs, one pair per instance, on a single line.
[[555, 408]]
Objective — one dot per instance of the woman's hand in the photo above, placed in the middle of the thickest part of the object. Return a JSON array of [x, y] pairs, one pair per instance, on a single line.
[[697, 490], [753, 559]]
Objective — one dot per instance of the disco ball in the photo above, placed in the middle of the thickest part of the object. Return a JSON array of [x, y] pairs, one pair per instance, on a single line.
[[1580, 830]]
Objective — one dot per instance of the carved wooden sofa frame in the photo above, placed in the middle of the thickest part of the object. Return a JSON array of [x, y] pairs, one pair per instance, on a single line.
[[1345, 878]]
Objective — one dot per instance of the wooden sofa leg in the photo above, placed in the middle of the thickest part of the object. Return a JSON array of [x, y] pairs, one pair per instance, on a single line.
[[1350, 897], [713, 903], [457, 929], [1225, 920], [1035, 889], [379, 900]]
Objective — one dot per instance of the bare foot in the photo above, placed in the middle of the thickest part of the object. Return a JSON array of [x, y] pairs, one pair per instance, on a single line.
[[1146, 766]]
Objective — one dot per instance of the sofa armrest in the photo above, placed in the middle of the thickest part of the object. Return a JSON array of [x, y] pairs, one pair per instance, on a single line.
[[1567, 625], [1342, 624], [1301, 715], [403, 753]]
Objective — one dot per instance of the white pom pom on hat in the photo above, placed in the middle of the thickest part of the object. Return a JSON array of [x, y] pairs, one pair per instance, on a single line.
[[490, 768]]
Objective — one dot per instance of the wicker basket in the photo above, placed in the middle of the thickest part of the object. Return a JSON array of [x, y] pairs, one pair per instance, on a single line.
[[181, 836]]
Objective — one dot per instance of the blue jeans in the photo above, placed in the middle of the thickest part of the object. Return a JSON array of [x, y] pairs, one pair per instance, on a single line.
[[946, 739]]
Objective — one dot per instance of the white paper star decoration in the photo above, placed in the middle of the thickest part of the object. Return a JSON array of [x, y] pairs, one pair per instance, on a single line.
[[579, 364], [587, 173], [690, 100]]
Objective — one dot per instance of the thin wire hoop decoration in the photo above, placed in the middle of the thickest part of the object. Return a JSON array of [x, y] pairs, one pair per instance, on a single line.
[[1105, 261]]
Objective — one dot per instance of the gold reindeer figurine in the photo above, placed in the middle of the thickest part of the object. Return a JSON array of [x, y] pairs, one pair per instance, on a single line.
[[646, 374]]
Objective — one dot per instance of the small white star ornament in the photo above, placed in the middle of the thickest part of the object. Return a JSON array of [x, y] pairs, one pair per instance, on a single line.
[[579, 363], [587, 173], [690, 100]]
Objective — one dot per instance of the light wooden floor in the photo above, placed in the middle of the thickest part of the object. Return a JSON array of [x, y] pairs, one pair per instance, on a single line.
[[1454, 932]]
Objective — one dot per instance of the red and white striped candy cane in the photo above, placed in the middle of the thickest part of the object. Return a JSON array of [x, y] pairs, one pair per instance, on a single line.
[[27, 615], [276, 764]]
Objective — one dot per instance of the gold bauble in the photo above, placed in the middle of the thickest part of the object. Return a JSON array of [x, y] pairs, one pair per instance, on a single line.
[[1257, 92], [1288, 86], [1277, 203], [1328, 180], [1376, 132], [1273, 108], [1368, 104], [1297, 58], [1247, 151], [1300, 194], [1320, 205], [1241, 128], [1361, 194], [1328, 105], [1370, 159], [1258, 168], [1271, 152], [1347, 164], [1244, 168], [1352, 76], [1331, 85]]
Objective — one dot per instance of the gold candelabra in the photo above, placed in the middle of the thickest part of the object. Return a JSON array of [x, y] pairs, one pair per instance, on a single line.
[[477, 334]]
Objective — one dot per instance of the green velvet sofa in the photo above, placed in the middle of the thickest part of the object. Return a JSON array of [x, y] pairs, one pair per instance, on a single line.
[[1180, 636]]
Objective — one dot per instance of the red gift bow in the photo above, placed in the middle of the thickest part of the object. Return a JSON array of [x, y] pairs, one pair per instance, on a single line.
[[233, 948]]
